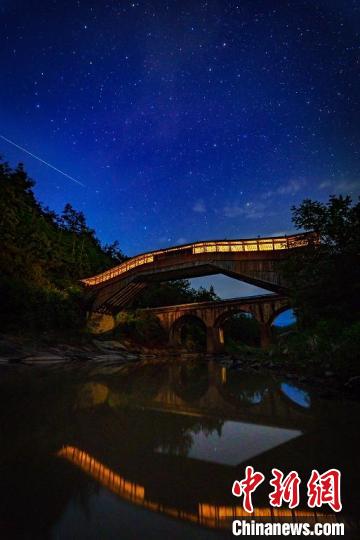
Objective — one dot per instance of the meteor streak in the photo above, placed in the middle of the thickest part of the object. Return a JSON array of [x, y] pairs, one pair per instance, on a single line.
[[42, 160]]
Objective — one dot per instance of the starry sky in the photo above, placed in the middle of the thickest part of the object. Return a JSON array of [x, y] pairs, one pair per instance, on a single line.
[[183, 120]]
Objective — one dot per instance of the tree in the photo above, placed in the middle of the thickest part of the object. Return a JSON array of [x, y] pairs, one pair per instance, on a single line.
[[114, 252], [242, 329], [43, 256], [205, 295], [324, 277], [173, 292], [73, 221]]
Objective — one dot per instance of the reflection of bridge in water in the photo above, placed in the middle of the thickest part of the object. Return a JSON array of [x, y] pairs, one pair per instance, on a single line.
[[215, 390], [209, 515], [166, 448]]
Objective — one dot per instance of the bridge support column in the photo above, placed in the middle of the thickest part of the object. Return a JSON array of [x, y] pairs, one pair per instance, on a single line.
[[99, 323], [214, 339], [265, 335]]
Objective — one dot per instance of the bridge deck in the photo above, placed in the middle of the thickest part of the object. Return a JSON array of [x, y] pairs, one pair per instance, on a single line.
[[270, 244]]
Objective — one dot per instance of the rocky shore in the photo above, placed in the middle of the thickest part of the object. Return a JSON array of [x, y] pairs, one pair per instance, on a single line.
[[325, 382], [14, 350], [18, 351]]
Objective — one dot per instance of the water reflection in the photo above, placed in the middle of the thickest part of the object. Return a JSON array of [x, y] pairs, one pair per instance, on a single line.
[[235, 442], [127, 450], [108, 478], [297, 395], [205, 514]]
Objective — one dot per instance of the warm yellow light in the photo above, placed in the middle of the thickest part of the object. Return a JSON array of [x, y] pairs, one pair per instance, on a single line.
[[207, 514], [104, 475], [211, 515], [248, 246], [261, 244]]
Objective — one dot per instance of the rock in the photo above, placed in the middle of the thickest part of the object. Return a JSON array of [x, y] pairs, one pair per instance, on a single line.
[[353, 383], [109, 358], [271, 365], [78, 355], [46, 359], [109, 345], [130, 356]]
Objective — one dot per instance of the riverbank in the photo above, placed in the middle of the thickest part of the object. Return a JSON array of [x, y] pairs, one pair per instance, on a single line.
[[49, 350], [327, 383], [46, 351]]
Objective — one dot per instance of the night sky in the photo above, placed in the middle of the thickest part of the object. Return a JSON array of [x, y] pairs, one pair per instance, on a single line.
[[184, 120]]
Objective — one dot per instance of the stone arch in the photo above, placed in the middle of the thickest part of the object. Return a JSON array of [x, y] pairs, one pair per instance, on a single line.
[[175, 337], [229, 313]]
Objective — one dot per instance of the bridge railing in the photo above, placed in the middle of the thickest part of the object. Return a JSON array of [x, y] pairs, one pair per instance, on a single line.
[[256, 244], [216, 246], [241, 246]]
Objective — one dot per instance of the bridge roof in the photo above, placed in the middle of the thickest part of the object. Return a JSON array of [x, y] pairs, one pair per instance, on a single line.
[[254, 299], [271, 243]]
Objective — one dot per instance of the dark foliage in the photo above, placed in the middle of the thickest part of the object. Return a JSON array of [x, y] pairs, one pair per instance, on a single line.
[[324, 281], [42, 257], [324, 278], [174, 292], [141, 327], [241, 329]]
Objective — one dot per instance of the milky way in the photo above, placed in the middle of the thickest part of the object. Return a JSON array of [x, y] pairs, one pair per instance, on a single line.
[[186, 120]]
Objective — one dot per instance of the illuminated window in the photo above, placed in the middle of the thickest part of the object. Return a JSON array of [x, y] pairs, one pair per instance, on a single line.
[[236, 247], [264, 244], [250, 247], [280, 245]]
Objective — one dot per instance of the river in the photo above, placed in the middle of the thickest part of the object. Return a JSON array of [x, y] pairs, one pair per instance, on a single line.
[[151, 449]]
